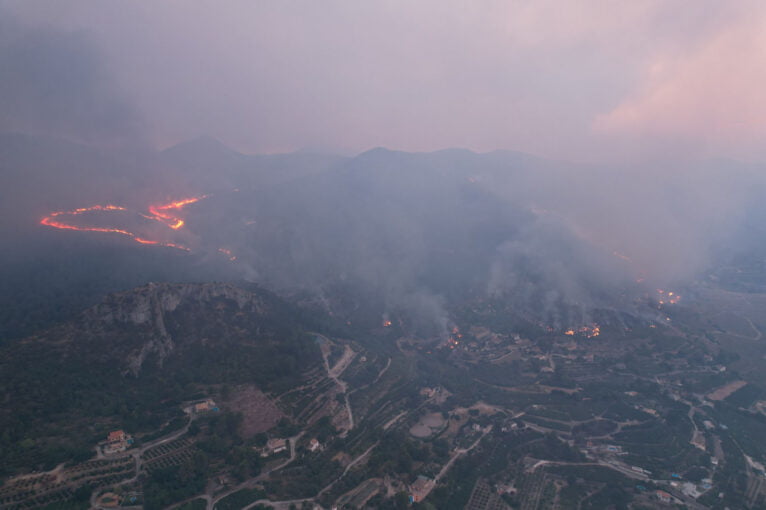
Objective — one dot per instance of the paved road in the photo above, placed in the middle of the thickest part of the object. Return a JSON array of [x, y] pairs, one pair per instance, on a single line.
[[286, 504], [616, 467], [249, 484], [459, 452]]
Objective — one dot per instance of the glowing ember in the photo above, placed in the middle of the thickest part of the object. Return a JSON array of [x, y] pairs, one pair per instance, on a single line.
[[158, 213], [228, 253], [669, 298], [452, 342], [587, 331]]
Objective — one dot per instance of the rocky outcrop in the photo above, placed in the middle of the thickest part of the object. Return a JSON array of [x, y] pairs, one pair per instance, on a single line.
[[146, 307], [141, 305]]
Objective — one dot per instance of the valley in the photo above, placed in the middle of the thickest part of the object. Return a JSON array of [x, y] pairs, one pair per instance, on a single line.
[[379, 418], [382, 255]]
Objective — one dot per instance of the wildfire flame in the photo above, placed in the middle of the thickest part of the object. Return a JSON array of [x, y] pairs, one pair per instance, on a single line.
[[588, 331], [228, 253], [158, 213], [668, 298]]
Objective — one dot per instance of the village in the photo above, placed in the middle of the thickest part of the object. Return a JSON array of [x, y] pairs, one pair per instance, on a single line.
[[366, 437]]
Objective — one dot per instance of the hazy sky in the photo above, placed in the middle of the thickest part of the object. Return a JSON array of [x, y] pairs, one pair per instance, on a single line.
[[581, 80]]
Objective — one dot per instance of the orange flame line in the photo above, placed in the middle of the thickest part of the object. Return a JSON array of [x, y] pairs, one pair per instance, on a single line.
[[157, 214]]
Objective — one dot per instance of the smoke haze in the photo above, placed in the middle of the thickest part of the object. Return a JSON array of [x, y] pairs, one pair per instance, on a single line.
[[56, 83], [629, 110], [582, 81]]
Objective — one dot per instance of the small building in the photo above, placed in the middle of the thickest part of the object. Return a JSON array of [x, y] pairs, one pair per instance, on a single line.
[[116, 436], [117, 441], [205, 406], [314, 445], [690, 489], [506, 488], [420, 489], [430, 392], [273, 446], [508, 428], [663, 496]]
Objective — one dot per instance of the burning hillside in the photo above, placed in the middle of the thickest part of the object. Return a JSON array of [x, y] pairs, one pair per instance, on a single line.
[[164, 212], [102, 218], [668, 297], [587, 331]]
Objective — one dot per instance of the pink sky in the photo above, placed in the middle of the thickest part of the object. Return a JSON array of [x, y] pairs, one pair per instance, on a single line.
[[584, 80]]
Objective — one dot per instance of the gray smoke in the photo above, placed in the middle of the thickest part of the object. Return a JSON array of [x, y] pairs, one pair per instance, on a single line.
[[56, 83]]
